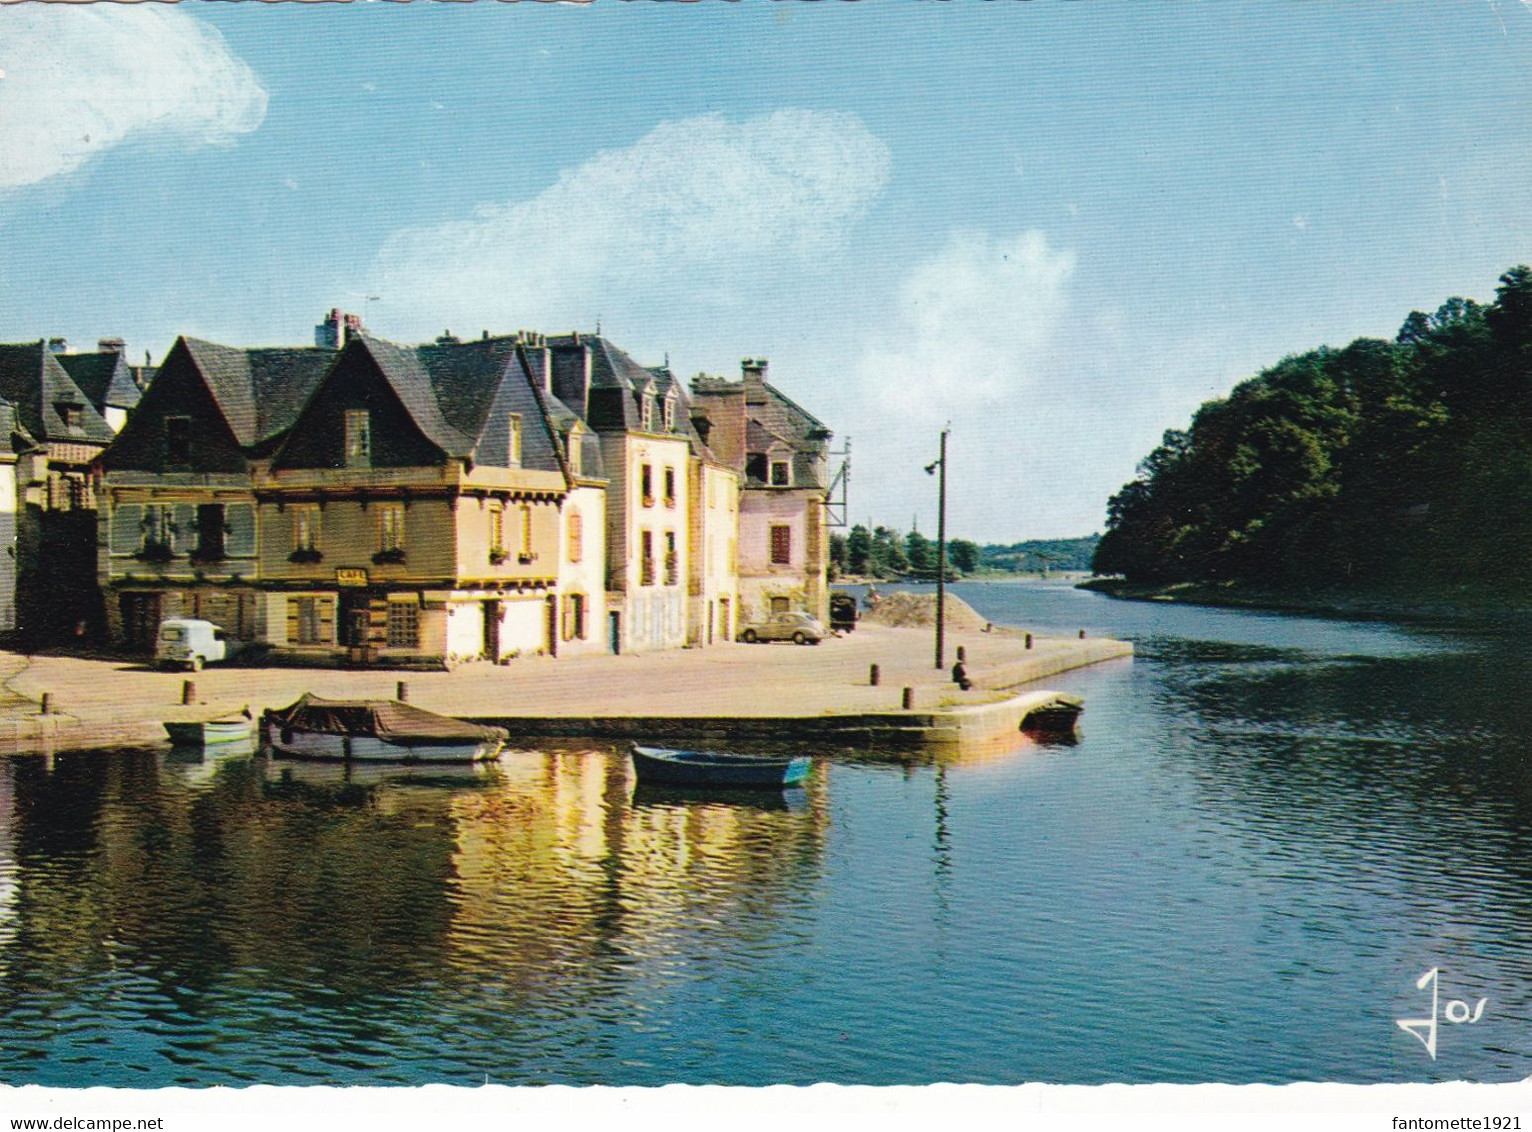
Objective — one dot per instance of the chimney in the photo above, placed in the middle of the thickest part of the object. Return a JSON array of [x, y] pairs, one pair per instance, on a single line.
[[330, 334], [58, 345], [540, 358], [447, 338], [112, 346], [353, 325], [754, 368]]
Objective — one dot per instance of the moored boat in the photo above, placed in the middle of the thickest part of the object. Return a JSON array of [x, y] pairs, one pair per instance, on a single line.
[[1060, 715], [716, 769], [376, 731], [208, 732]]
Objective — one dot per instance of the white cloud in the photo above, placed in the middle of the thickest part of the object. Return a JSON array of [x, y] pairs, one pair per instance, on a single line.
[[692, 210], [973, 325], [80, 79]]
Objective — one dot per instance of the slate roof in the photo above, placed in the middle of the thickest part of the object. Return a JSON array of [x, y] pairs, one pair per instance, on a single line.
[[449, 389], [33, 380], [260, 390], [615, 382], [104, 377]]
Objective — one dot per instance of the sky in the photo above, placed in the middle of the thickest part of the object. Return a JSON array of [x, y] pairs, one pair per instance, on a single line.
[[1057, 228]]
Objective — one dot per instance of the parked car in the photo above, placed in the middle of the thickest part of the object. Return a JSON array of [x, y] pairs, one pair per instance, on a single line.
[[795, 626], [185, 642], [842, 612]]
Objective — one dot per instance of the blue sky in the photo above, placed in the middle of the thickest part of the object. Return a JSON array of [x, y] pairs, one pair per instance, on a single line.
[[1058, 226]]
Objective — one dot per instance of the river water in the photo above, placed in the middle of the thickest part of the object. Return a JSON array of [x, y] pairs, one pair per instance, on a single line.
[[1271, 828]]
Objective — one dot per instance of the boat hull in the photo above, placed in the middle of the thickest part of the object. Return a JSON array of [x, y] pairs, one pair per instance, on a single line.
[[206, 733], [295, 744], [662, 766]]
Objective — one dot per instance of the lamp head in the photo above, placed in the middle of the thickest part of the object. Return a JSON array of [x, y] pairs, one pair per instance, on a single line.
[[931, 467]]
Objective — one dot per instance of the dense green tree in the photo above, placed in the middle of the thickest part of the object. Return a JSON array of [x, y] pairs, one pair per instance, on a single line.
[[921, 553], [1409, 459], [963, 555], [858, 550], [839, 555]]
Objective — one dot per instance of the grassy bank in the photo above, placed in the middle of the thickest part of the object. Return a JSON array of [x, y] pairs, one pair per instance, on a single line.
[[1475, 602]]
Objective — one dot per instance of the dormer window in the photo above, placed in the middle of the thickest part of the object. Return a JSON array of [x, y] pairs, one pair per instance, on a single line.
[[670, 413], [781, 473], [646, 413], [572, 446], [515, 440], [72, 413], [178, 440], [358, 438]]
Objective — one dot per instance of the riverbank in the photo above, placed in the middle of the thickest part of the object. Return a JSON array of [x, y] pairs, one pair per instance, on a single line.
[[1469, 603], [818, 693]]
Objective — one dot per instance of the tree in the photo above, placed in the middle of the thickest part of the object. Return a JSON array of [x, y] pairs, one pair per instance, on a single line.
[[963, 555], [888, 558], [921, 553], [839, 555], [859, 550]]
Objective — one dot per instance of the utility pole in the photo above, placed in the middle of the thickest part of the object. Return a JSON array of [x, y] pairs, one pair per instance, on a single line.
[[941, 548]]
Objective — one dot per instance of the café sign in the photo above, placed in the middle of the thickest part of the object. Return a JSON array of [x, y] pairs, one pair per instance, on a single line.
[[350, 576]]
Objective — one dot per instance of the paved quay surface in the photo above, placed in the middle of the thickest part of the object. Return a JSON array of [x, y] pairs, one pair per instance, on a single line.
[[106, 703]]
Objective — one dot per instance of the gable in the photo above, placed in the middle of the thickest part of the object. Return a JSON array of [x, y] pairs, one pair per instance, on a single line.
[[178, 391], [356, 383]]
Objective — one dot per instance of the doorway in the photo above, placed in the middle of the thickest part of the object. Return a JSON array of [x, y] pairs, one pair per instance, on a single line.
[[551, 615], [614, 631], [491, 610], [356, 625]]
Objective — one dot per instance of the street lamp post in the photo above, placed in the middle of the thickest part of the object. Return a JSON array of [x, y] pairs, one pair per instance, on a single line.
[[940, 463]]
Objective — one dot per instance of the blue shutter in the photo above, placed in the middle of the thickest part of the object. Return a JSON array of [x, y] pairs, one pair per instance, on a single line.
[[239, 518], [127, 528]]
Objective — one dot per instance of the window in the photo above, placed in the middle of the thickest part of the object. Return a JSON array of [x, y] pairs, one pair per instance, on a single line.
[[670, 487], [496, 532], [515, 440], [310, 620], [646, 484], [572, 450], [755, 468], [779, 605], [779, 474], [177, 440], [391, 527], [72, 413], [781, 546], [576, 537], [306, 528], [210, 531], [646, 558], [526, 532], [159, 529], [358, 438], [646, 421], [403, 625], [670, 413], [672, 562]]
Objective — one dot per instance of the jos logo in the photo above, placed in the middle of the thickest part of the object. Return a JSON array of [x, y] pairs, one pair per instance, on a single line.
[[1457, 1013]]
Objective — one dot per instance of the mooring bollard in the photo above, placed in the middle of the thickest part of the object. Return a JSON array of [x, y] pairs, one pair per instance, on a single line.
[[907, 701], [960, 676], [188, 692], [46, 707], [402, 692], [1082, 634], [1029, 640], [872, 676], [962, 655]]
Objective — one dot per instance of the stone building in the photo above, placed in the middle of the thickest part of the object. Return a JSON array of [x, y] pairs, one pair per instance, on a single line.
[[781, 454]]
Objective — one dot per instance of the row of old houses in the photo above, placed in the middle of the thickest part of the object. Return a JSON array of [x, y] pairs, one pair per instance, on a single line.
[[371, 503]]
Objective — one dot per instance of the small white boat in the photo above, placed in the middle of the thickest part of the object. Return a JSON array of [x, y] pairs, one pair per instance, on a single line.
[[207, 732], [386, 731]]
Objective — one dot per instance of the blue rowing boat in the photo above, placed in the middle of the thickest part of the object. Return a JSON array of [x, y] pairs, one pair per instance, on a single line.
[[667, 767]]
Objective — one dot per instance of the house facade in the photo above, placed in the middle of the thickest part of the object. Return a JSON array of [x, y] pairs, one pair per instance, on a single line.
[[378, 504], [780, 453], [56, 592], [178, 517]]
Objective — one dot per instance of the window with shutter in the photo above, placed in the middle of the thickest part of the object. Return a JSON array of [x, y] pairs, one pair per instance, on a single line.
[[781, 546]]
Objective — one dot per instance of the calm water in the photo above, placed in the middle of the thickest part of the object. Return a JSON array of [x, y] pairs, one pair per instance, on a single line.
[[1271, 827]]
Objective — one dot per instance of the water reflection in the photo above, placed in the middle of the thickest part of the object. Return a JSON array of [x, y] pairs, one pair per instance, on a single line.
[[196, 916]]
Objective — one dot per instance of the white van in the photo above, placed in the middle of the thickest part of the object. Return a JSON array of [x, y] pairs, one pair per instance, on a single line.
[[189, 643]]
